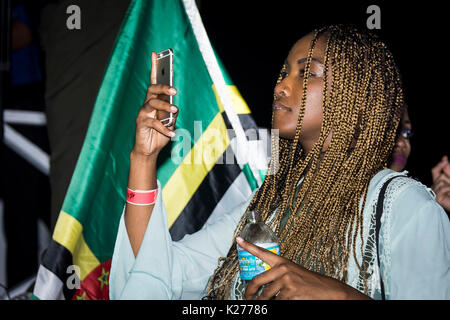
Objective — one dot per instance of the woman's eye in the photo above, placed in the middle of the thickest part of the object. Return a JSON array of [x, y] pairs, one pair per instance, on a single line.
[[302, 72]]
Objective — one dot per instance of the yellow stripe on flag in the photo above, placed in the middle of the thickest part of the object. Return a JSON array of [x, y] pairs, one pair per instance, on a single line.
[[183, 183], [84, 258], [240, 106], [68, 233]]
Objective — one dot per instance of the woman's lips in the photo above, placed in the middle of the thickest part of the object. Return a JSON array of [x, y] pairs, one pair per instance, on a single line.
[[279, 106], [399, 159]]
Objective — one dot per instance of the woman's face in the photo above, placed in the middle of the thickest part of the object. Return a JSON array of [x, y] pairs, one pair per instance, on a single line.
[[402, 147], [288, 94]]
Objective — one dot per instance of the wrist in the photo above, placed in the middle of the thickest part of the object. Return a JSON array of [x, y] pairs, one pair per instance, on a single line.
[[142, 174], [136, 156]]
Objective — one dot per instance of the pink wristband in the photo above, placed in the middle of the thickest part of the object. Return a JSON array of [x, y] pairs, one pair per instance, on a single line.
[[141, 197]]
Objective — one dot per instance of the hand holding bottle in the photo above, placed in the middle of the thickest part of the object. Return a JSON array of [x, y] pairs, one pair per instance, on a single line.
[[286, 280]]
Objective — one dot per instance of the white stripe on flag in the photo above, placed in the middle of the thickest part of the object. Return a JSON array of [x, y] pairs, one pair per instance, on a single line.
[[217, 77], [48, 286]]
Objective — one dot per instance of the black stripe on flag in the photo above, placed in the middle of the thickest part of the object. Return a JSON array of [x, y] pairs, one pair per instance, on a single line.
[[205, 199], [57, 259], [212, 188], [246, 120]]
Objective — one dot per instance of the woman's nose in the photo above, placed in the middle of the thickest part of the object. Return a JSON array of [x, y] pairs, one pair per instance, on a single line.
[[282, 89], [400, 142]]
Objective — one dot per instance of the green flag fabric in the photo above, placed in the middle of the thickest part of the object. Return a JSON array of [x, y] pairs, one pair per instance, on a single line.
[[195, 172]]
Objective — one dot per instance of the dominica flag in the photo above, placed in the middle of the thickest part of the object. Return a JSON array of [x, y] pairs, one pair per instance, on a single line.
[[218, 169]]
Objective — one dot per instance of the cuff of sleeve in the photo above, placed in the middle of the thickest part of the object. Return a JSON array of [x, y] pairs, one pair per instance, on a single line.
[[151, 267], [155, 254]]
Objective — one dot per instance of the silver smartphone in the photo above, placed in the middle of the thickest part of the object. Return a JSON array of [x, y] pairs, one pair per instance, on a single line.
[[164, 75]]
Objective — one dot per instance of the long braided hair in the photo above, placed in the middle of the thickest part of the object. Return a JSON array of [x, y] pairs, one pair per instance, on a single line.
[[363, 103]]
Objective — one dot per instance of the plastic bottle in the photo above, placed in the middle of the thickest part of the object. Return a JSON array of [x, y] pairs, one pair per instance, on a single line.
[[260, 234]]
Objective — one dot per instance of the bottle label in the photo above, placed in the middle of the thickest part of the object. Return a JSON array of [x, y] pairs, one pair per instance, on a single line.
[[250, 266]]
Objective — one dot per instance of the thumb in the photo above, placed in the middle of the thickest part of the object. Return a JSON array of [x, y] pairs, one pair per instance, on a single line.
[[153, 68]]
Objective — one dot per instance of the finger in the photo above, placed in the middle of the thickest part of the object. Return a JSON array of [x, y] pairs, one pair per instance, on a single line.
[[161, 105], [437, 169], [157, 104], [158, 126], [442, 193], [271, 290], [439, 185], [443, 179], [283, 295], [160, 88], [265, 255], [443, 198], [154, 66], [436, 188], [172, 126], [277, 273], [446, 170]]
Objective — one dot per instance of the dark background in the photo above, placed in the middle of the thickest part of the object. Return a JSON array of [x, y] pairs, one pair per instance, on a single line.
[[253, 38]]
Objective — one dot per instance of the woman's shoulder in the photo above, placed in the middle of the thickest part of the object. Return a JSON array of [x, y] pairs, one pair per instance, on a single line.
[[402, 188], [414, 238], [405, 197]]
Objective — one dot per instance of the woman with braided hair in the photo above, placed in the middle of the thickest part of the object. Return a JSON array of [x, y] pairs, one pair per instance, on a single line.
[[337, 105]]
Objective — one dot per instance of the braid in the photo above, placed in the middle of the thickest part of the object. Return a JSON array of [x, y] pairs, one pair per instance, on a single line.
[[363, 103]]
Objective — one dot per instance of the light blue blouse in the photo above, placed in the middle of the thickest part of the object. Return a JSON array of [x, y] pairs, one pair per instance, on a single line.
[[414, 249]]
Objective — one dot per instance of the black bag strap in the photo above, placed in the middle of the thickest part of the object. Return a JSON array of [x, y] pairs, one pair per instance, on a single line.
[[379, 213]]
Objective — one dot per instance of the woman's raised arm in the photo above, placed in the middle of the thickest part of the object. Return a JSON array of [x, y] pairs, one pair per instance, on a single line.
[[151, 137]]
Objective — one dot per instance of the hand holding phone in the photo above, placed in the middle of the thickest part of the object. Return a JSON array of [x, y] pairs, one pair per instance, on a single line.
[[151, 134]]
